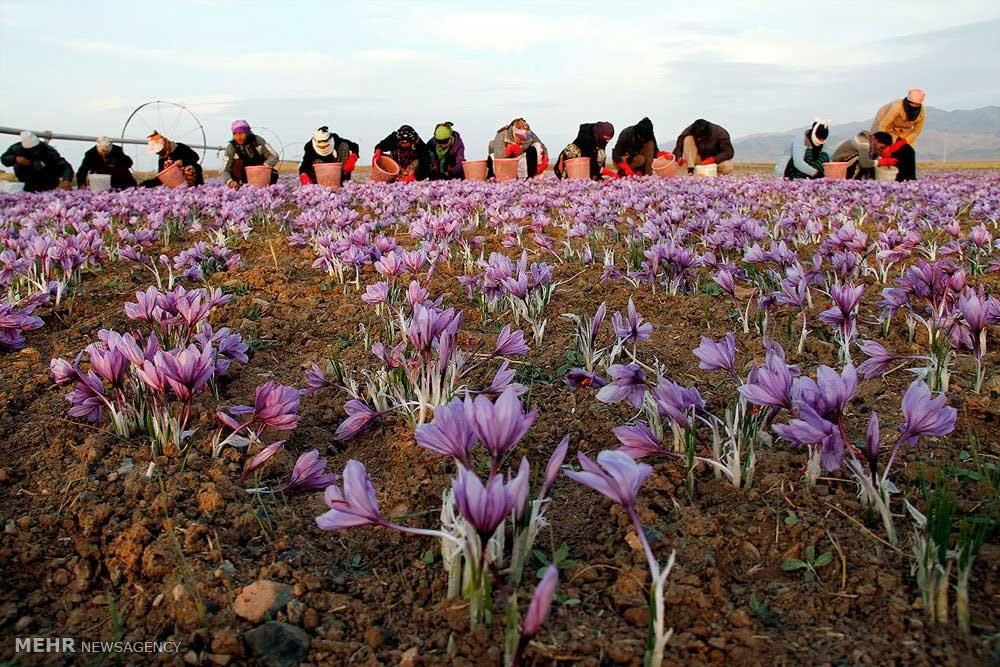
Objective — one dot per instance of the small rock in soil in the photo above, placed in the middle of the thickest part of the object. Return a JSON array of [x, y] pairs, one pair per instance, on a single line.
[[226, 642], [739, 619], [278, 644], [295, 610], [374, 637], [260, 598], [310, 619], [410, 658]]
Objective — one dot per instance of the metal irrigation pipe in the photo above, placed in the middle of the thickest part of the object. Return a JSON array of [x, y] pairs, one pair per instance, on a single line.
[[49, 135]]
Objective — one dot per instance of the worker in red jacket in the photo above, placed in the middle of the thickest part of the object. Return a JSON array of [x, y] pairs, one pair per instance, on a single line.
[[897, 154]]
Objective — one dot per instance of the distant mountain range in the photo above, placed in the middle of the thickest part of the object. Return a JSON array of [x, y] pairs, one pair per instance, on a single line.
[[963, 135]]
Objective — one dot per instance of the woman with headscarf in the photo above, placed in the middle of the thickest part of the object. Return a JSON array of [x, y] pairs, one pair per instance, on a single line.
[[591, 142], [516, 140], [246, 149], [903, 118], [445, 153], [106, 158], [408, 150], [170, 152], [326, 147], [807, 156], [635, 149]]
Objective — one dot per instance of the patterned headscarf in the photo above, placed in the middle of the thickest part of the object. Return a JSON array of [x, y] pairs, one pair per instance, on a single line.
[[405, 156]]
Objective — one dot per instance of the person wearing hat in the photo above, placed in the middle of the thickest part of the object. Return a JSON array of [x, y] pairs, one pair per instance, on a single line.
[[246, 149], [903, 119], [37, 165], [636, 149], [445, 153], [591, 142], [517, 140], [857, 153], [173, 152], [106, 158], [898, 154], [325, 147], [703, 142], [807, 156], [408, 150]]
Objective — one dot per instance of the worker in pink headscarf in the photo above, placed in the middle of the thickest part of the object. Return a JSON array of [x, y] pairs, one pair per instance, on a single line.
[[903, 119]]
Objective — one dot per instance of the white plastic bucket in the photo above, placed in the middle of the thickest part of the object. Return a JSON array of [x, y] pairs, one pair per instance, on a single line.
[[99, 182], [706, 170], [886, 173]]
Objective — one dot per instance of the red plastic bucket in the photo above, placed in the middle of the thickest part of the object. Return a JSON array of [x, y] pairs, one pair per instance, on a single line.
[[835, 170], [384, 170], [665, 167], [474, 170], [505, 169], [577, 168], [259, 176], [172, 177], [328, 174]]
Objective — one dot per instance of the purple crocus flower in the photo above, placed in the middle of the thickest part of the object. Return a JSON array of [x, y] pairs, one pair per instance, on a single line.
[[724, 279], [519, 485], [87, 397], [676, 402], [717, 356], [873, 443], [501, 425], [616, 475], [638, 441], [924, 414], [62, 371], [878, 361], [541, 601], [552, 467], [187, 371], [110, 364], [355, 506], [484, 507], [261, 458], [578, 377], [504, 379], [812, 429], [316, 379], [627, 383], [633, 327], [277, 406], [770, 385], [510, 343], [376, 294], [359, 418], [309, 474], [449, 433]]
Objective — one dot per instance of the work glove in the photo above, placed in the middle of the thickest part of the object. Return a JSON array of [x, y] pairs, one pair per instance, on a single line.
[[513, 150], [607, 173], [304, 179], [625, 168], [708, 160], [349, 163], [888, 162], [542, 164]]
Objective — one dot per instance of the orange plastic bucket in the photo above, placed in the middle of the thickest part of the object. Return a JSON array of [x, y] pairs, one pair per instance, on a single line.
[[577, 168], [835, 170], [172, 177], [505, 168], [474, 170], [384, 170], [328, 174], [666, 167], [259, 176]]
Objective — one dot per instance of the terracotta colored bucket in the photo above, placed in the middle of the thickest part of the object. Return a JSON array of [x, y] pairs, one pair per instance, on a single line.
[[328, 174], [474, 170], [886, 173], [384, 170], [666, 167], [259, 176], [577, 168], [505, 169], [172, 177], [835, 170], [706, 170], [99, 182]]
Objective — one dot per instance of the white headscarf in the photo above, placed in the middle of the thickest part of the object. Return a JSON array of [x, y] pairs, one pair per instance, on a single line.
[[28, 139], [321, 142], [103, 144]]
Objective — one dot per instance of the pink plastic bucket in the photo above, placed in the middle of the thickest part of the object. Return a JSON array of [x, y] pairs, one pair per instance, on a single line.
[[835, 170], [172, 177], [577, 168], [328, 174], [474, 170], [505, 169], [666, 167], [384, 170], [259, 176]]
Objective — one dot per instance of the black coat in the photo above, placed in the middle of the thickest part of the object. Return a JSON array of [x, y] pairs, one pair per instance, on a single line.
[[46, 170], [342, 148], [389, 147], [638, 143], [587, 145], [117, 164]]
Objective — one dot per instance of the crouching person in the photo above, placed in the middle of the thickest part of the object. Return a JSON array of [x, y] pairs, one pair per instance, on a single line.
[[807, 156], [246, 149]]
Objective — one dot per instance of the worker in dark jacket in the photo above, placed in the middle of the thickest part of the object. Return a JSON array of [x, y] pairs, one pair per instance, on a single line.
[[807, 154], [106, 158], [408, 150], [635, 149], [591, 142], [246, 149], [898, 154], [445, 153], [703, 142], [168, 152], [326, 147], [857, 153], [37, 165]]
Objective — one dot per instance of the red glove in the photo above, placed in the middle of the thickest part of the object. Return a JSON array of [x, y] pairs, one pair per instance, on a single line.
[[681, 162], [513, 150], [626, 169], [409, 178], [708, 160], [349, 163], [607, 173], [304, 179], [376, 156], [888, 162], [542, 164]]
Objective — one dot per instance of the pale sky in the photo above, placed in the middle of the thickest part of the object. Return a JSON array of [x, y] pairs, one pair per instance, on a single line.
[[364, 68]]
